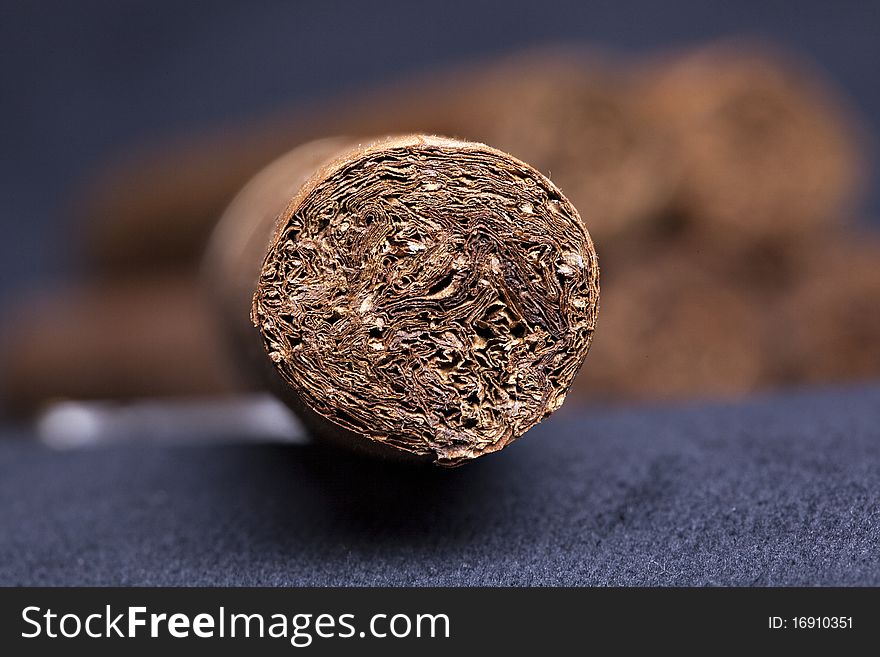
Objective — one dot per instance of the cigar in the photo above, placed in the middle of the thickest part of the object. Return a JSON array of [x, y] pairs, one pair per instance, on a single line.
[[237, 246], [672, 330], [572, 114], [575, 115], [120, 340], [765, 151], [419, 296], [826, 328]]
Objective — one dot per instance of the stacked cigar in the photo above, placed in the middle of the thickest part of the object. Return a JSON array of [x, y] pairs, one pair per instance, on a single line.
[[719, 184]]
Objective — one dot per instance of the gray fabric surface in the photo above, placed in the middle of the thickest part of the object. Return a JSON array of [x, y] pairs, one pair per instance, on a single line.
[[780, 490]]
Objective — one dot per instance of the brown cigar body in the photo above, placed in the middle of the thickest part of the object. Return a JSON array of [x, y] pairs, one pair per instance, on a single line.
[[418, 295]]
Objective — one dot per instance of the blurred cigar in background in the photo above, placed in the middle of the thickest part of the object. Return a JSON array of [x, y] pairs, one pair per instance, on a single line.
[[738, 139], [720, 184], [765, 151], [152, 337], [670, 330], [574, 114], [827, 328]]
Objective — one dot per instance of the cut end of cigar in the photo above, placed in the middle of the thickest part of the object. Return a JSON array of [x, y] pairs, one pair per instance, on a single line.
[[431, 295]]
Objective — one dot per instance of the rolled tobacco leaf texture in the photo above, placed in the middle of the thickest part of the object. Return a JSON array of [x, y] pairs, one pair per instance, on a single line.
[[237, 246], [427, 297]]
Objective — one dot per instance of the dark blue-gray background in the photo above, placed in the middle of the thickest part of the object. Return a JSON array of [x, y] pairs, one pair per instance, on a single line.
[[81, 80]]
